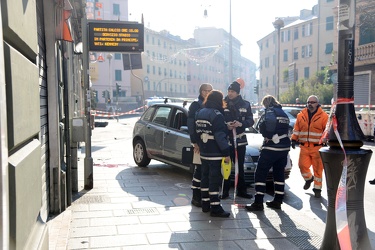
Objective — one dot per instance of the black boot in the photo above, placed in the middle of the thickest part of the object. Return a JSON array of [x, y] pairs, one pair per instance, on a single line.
[[308, 183], [372, 182], [274, 204], [255, 207], [317, 193], [219, 212], [196, 200]]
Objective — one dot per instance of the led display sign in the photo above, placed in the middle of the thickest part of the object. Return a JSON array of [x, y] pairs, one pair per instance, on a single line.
[[116, 36]]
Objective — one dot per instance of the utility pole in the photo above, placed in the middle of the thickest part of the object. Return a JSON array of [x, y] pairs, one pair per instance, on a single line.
[[88, 164]]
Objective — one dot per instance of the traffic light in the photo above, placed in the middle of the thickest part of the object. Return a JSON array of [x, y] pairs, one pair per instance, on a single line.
[[118, 88], [103, 94], [256, 89]]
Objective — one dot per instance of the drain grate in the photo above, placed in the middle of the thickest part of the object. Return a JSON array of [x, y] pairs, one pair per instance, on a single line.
[[145, 173], [89, 199], [141, 211]]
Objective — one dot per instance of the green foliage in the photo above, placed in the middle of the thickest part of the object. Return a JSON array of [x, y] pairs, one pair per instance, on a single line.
[[285, 75], [315, 85]]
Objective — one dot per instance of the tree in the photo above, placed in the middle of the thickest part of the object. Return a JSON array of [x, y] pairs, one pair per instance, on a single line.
[[315, 85]]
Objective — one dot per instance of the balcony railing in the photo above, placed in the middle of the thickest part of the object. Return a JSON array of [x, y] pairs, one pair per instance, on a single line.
[[365, 52]]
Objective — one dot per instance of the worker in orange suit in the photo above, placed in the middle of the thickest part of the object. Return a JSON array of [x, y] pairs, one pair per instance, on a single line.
[[308, 129]]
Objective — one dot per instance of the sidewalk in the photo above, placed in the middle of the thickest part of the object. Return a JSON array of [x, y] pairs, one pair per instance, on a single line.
[[149, 208]]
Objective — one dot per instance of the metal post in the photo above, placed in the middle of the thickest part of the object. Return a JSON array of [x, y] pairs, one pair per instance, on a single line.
[[278, 24], [351, 136], [88, 164], [109, 57]]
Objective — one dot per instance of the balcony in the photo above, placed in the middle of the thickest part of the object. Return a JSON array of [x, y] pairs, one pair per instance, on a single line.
[[365, 54]]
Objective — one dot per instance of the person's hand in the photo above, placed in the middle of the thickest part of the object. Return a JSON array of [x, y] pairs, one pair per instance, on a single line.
[[227, 159], [230, 125], [237, 124], [294, 144], [196, 148]]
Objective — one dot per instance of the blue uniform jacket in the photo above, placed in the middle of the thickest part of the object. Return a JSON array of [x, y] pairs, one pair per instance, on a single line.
[[275, 121], [211, 132], [194, 107], [240, 110]]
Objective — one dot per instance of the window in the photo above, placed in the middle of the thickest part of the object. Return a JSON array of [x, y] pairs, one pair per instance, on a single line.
[[329, 1], [161, 116], [285, 55], [116, 9], [329, 48], [148, 69], [117, 56], [307, 29], [306, 72], [267, 62], [296, 33], [306, 51], [285, 36], [366, 30], [118, 75], [329, 23], [295, 54], [153, 70]]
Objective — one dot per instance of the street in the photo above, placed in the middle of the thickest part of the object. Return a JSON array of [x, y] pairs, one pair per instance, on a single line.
[[149, 208]]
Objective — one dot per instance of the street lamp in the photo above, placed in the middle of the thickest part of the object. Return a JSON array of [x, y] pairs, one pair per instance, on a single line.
[[230, 43], [345, 162], [278, 24]]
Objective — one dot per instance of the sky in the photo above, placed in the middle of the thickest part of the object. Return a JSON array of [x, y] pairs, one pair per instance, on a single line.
[[251, 19]]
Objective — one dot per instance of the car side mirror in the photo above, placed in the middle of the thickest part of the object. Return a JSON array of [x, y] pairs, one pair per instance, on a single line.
[[251, 130], [184, 129]]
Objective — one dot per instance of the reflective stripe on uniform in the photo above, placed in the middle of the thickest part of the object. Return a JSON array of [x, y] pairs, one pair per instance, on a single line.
[[260, 183], [218, 158], [279, 183]]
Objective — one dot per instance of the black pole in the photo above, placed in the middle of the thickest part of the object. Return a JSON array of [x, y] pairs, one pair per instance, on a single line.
[[352, 138], [67, 127]]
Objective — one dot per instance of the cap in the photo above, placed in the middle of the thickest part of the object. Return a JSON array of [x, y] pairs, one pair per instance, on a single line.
[[235, 86]]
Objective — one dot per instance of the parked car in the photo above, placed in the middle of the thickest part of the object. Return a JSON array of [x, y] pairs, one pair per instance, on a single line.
[[161, 134]]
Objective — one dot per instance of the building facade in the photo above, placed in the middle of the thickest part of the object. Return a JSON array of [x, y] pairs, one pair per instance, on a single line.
[[40, 68], [293, 52]]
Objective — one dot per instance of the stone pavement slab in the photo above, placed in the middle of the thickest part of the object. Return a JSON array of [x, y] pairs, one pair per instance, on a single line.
[[149, 208]]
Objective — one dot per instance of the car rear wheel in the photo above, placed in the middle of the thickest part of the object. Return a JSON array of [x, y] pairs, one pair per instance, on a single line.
[[139, 154]]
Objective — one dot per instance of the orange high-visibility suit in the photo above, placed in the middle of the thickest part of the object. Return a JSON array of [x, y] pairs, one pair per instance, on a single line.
[[308, 132]]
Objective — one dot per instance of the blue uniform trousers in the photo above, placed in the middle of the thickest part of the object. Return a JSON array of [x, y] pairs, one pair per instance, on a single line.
[[268, 159], [210, 183]]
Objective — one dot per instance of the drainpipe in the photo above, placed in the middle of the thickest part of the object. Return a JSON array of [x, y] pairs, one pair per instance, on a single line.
[[67, 52], [4, 192]]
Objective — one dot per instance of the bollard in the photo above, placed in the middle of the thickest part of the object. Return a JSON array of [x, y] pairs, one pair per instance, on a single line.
[[358, 161]]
